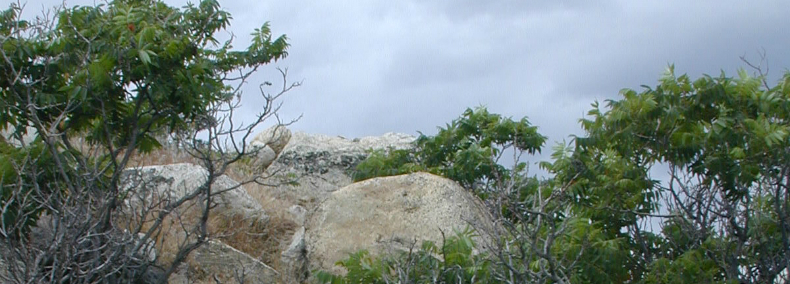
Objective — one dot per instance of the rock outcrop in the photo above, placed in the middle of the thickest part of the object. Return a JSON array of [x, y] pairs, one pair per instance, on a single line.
[[322, 163], [26, 139], [268, 144], [172, 182], [387, 213], [276, 137], [334, 216], [152, 184], [294, 259], [298, 214]]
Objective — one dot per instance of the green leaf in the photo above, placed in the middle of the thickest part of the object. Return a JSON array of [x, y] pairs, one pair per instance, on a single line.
[[144, 57], [737, 153]]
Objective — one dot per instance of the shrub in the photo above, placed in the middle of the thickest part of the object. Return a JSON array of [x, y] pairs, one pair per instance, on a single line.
[[467, 150], [455, 261]]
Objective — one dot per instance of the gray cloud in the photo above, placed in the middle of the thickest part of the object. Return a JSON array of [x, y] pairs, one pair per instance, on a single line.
[[376, 66]]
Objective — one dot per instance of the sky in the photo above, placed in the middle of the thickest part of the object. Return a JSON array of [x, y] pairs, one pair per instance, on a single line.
[[371, 67]]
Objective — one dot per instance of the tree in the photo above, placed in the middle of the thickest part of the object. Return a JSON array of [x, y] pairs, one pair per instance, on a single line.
[[725, 143], [721, 214], [468, 150], [536, 241], [96, 86]]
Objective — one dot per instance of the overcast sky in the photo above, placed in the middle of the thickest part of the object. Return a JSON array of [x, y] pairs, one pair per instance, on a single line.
[[371, 67]]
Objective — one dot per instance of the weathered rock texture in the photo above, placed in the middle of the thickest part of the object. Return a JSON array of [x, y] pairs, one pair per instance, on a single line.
[[172, 182], [268, 144], [276, 137], [298, 213], [380, 214], [28, 138], [294, 259], [338, 217], [216, 259], [322, 164]]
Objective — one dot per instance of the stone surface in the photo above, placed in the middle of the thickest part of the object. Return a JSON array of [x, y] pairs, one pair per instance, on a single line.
[[276, 137], [147, 249], [268, 144], [264, 156], [216, 259], [294, 258], [172, 182], [298, 213], [322, 164], [27, 138], [389, 213]]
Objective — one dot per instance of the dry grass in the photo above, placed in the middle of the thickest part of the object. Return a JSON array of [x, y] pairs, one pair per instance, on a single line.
[[163, 156], [261, 240], [264, 241]]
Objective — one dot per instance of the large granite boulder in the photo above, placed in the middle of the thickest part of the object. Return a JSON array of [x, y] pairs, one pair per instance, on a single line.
[[171, 182], [386, 213]]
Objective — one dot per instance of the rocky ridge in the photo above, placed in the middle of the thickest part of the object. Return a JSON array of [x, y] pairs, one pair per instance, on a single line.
[[322, 164], [334, 215], [172, 182]]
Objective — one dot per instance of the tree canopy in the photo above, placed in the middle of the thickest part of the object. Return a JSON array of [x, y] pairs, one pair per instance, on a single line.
[[129, 63], [719, 216], [95, 85], [724, 206], [466, 150]]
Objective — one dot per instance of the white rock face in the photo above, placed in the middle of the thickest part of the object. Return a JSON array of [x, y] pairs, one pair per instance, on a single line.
[[322, 163], [264, 156], [383, 213], [316, 143], [146, 249], [26, 139], [276, 137], [294, 258], [298, 213], [268, 144], [172, 182], [389, 139]]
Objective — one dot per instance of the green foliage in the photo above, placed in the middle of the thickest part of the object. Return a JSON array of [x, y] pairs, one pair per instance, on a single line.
[[387, 163], [724, 141], [118, 75], [466, 150], [17, 184], [455, 261], [129, 65]]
